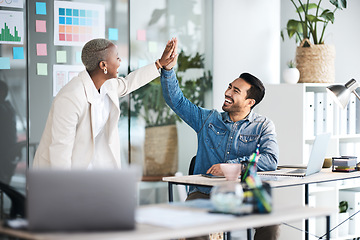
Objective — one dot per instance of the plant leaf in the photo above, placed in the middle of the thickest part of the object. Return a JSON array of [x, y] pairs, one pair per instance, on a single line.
[[313, 18], [343, 3], [328, 15], [339, 4], [308, 6], [294, 26]]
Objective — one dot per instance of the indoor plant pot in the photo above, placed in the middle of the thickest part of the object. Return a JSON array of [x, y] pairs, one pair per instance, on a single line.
[[291, 74], [316, 63], [160, 157], [314, 59]]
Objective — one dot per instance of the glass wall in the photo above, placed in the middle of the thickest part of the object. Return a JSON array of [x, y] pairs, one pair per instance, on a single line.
[[49, 55], [154, 132], [13, 122]]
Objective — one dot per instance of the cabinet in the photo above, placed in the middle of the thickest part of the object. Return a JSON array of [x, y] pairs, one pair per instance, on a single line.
[[299, 112]]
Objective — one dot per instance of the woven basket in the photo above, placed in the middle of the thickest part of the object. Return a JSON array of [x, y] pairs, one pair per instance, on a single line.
[[161, 151], [316, 63]]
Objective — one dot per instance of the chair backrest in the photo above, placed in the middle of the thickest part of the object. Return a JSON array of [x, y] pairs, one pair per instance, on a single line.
[[17, 200], [192, 165]]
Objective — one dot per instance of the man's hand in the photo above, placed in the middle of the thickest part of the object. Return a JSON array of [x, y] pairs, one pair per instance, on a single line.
[[215, 170], [169, 55], [175, 54]]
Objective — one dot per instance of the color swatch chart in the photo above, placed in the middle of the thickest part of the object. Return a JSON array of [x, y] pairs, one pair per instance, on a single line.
[[77, 23]]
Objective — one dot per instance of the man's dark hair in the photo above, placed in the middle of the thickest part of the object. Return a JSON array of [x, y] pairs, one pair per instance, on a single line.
[[257, 90]]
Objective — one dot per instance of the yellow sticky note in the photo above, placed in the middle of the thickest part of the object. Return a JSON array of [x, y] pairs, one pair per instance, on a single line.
[[42, 69], [61, 56], [153, 47]]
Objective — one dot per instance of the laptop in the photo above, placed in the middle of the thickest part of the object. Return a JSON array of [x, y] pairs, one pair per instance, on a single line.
[[80, 200], [315, 163]]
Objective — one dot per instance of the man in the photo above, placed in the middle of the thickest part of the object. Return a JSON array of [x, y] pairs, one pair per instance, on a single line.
[[229, 136]]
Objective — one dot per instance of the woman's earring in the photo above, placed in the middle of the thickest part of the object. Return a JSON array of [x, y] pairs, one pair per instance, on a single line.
[[105, 70]]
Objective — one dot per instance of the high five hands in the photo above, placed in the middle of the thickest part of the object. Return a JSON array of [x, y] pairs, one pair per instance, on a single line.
[[169, 57]]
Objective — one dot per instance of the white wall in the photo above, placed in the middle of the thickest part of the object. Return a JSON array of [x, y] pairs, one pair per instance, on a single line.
[[344, 34], [246, 39]]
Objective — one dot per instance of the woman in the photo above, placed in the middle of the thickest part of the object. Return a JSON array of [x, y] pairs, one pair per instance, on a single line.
[[81, 130]]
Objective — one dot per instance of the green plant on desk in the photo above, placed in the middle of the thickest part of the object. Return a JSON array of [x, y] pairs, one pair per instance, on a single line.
[[343, 206], [160, 145]]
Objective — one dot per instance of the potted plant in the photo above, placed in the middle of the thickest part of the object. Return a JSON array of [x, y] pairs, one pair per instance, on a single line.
[[314, 59], [343, 218], [291, 74], [161, 147]]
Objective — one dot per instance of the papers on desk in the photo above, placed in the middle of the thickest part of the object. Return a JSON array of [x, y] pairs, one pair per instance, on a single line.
[[177, 217]]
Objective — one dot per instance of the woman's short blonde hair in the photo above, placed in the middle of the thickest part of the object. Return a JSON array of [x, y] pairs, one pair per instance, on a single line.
[[95, 51]]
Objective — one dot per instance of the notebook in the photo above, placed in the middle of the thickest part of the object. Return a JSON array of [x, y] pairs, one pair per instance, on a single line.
[[80, 200], [315, 163]]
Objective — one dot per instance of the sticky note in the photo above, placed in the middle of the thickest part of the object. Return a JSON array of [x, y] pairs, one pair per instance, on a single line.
[[61, 56], [113, 34], [78, 57], [153, 47], [41, 8], [41, 49], [40, 26], [4, 63], [42, 69], [18, 52], [141, 35]]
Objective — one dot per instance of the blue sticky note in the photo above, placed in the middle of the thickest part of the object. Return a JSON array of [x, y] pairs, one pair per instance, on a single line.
[[78, 57], [41, 8], [18, 52], [4, 63], [113, 34]]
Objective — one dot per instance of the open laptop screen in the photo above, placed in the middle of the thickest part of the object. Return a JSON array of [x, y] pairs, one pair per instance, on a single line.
[[81, 200]]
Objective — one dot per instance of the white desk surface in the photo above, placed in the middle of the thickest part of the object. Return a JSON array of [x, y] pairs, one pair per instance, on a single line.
[[326, 175], [146, 231]]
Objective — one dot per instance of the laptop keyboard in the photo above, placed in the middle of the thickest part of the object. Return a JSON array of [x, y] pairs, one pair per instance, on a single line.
[[298, 171]]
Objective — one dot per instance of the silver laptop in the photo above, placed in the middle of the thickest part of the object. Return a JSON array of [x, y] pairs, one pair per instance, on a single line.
[[59, 200], [315, 163]]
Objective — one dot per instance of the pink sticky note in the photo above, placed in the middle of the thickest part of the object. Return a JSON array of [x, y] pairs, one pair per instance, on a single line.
[[141, 35], [41, 49], [40, 26]]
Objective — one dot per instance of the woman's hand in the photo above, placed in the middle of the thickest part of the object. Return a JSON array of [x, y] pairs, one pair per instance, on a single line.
[[169, 55]]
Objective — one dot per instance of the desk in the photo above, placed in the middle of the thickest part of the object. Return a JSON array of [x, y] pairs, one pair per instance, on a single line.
[[146, 231], [326, 175]]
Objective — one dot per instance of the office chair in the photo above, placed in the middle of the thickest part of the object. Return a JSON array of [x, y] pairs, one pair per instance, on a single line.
[[17, 200], [192, 165]]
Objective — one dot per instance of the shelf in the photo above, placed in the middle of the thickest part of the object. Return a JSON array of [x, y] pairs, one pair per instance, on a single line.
[[346, 237], [304, 106], [319, 189], [348, 138]]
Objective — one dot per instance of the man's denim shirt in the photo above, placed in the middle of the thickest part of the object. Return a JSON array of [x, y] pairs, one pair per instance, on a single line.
[[221, 140]]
